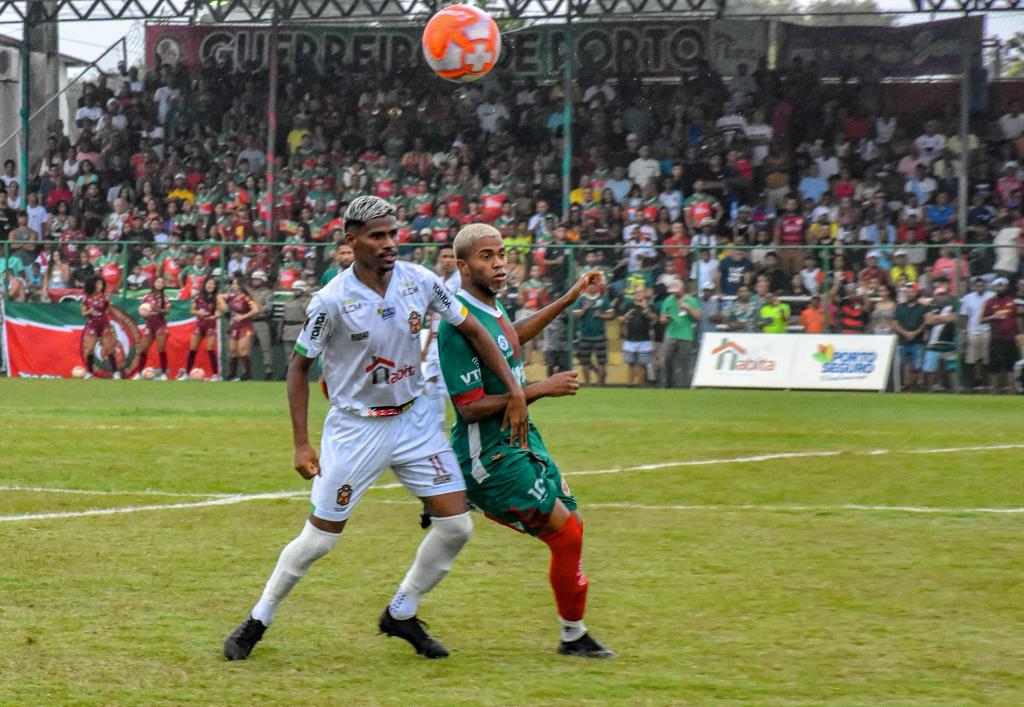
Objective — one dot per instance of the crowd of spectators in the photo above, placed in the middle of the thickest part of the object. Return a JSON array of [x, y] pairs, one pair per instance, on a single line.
[[708, 201]]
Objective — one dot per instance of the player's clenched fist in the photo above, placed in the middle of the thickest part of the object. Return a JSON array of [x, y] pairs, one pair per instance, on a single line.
[[594, 277], [562, 384], [306, 461]]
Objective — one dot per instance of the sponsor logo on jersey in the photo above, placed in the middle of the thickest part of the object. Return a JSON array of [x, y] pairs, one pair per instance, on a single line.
[[352, 304], [318, 326], [503, 343], [415, 323], [385, 372], [361, 336], [385, 311], [471, 377], [408, 288], [344, 495], [442, 296], [441, 476]]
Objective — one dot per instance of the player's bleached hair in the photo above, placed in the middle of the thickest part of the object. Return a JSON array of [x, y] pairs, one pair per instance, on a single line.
[[366, 208], [469, 235]]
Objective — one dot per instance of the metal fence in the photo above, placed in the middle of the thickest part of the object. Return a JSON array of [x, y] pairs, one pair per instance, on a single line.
[[540, 272]]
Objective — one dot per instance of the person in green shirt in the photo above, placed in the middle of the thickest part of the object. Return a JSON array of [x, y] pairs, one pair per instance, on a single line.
[[680, 312], [515, 486], [592, 311], [774, 315], [343, 257]]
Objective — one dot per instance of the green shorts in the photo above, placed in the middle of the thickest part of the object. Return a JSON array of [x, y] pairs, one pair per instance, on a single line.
[[520, 487]]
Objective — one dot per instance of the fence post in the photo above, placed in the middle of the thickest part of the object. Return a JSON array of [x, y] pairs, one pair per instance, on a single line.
[[826, 294], [958, 334], [220, 330], [570, 331]]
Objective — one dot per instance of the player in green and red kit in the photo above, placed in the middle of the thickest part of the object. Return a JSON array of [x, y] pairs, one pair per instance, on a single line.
[[519, 487]]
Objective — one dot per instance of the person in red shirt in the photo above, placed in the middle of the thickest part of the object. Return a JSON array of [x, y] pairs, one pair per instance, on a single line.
[[871, 271], [154, 309], [1000, 313], [790, 231], [206, 307], [96, 310], [852, 315], [677, 250], [243, 308]]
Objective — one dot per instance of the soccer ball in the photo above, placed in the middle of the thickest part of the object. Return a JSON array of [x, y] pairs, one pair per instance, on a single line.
[[461, 43], [148, 373], [78, 372], [145, 310], [197, 374]]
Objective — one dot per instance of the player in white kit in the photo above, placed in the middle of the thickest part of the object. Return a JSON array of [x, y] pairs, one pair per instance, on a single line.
[[366, 322], [434, 389]]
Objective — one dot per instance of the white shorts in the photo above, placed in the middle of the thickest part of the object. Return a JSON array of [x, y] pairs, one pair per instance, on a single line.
[[977, 347], [355, 451]]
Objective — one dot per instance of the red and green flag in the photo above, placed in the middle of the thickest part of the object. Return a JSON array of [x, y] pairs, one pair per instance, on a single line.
[[45, 340]]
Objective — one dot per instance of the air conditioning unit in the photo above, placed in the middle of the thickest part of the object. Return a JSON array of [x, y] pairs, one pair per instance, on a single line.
[[10, 64]]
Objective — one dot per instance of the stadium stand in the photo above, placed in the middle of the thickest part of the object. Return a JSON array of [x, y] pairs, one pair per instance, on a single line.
[[772, 180]]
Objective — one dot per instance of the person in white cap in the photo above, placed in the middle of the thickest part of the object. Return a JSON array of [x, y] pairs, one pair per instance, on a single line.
[[294, 315], [366, 324], [976, 353], [1000, 313], [264, 296]]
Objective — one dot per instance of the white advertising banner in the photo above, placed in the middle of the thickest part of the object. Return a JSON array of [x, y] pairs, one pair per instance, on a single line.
[[743, 361], [805, 361]]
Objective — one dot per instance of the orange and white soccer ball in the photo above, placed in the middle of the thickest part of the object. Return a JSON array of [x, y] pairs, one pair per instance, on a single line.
[[78, 372], [148, 373], [197, 374], [461, 43], [145, 309]]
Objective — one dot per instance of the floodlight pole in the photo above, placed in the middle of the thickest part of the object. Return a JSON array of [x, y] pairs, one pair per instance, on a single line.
[[569, 57], [272, 124], [569, 51], [965, 108], [26, 78]]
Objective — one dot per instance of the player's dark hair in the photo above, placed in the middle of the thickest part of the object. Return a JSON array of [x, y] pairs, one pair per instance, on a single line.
[[90, 284], [210, 296], [241, 284], [153, 290]]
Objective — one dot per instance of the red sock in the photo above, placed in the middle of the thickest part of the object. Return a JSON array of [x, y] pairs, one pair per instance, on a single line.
[[567, 578], [163, 361]]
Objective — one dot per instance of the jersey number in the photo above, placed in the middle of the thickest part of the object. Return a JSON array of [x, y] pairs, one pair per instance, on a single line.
[[538, 491]]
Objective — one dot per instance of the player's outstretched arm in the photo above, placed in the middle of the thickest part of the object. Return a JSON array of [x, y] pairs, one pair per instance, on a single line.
[[488, 406], [306, 461], [491, 356], [533, 325]]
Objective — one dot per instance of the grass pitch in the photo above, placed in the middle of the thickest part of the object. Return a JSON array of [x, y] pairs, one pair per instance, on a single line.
[[811, 578]]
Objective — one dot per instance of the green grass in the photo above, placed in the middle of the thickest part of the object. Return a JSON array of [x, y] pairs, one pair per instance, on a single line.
[[722, 589]]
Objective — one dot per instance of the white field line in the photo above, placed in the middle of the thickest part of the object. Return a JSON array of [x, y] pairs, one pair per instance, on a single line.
[[796, 508], [795, 455], [765, 508], [222, 500], [145, 492], [230, 500]]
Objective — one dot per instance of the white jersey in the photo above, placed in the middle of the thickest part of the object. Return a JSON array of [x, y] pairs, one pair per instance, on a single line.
[[432, 364], [371, 344]]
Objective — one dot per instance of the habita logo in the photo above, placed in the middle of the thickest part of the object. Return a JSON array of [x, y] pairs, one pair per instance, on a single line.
[[383, 371], [730, 356], [845, 363]]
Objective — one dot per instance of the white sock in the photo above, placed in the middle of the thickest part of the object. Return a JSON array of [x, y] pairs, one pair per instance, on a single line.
[[433, 560], [572, 630], [296, 558]]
